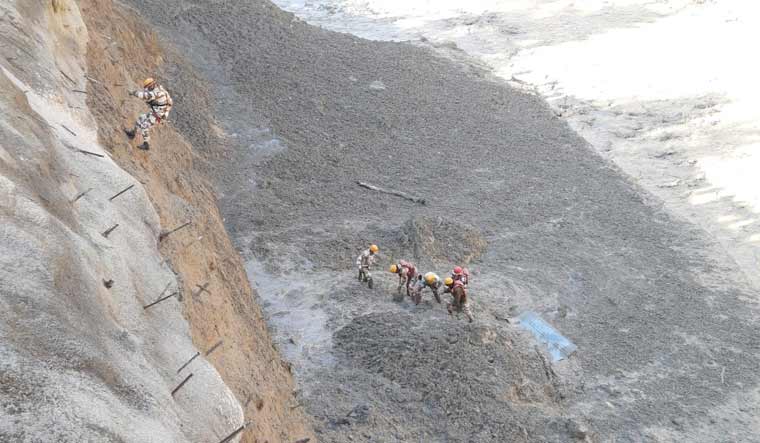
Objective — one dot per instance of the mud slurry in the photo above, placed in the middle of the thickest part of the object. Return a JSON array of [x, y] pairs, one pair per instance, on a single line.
[[654, 305]]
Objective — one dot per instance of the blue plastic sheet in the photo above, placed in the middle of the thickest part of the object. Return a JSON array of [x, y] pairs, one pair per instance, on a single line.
[[559, 347]]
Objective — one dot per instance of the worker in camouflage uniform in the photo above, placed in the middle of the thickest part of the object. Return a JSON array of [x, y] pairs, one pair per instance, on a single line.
[[429, 280], [364, 262], [160, 104]]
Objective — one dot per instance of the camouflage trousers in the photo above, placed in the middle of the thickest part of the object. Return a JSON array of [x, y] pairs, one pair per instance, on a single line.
[[463, 307], [145, 122]]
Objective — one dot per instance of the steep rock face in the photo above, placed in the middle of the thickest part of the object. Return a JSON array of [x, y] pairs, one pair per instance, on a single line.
[[81, 359], [120, 55]]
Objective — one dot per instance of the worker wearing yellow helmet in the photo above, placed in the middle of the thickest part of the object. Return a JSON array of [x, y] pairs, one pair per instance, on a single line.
[[406, 273], [459, 294], [160, 103], [429, 280], [364, 262]]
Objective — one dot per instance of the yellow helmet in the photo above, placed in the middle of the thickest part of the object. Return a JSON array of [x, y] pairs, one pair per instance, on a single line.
[[373, 248], [449, 281], [393, 269], [148, 82], [430, 278]]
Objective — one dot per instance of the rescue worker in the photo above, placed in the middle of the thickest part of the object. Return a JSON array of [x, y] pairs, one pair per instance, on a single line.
[[160, 104], [365, 260], [459, 302], [429, 280], [406, 273], [459, 274]]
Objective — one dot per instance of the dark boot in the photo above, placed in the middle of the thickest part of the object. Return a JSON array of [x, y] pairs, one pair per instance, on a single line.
[[144, 146], [130, 133]]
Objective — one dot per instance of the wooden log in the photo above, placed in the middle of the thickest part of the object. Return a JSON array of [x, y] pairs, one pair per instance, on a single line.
[[404, 195], [121, 192], [174, 391], [160, 300]]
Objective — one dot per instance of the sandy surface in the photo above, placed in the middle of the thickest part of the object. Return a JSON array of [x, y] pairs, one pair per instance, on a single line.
[[663, 318]]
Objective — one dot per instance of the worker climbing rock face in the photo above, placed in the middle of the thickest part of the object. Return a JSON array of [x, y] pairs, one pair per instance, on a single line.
[[459, 274], [160, 104], [429, 280], [365, 261], [406, 273], [459, 301]]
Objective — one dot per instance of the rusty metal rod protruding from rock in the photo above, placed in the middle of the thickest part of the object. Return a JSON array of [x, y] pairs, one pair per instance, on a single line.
[[235, 433], [121, 192], [166, 234], [90, 153], [108, 231], [181, 384], [70, 131], [188, 362], [80, 195], [203, 288], [213, 348], [160, 300]]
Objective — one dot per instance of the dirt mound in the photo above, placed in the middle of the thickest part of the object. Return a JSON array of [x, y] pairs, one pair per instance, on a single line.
[[468, 383], [442, 241]]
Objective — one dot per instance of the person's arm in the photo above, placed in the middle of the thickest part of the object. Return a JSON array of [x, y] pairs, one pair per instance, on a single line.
[[145, 95]]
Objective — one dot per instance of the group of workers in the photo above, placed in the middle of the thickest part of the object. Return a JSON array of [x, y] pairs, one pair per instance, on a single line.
[[414, 282], [160, 103]]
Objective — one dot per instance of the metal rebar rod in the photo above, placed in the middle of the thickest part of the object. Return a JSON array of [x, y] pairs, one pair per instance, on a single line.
[[181, 384], [121, 192]]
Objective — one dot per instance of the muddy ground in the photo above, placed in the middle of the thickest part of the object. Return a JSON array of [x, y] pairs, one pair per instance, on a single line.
[[663, 319]]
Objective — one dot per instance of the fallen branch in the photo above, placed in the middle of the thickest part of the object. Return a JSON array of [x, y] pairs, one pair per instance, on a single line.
[[392, 192], [121, 192], [79, 91]]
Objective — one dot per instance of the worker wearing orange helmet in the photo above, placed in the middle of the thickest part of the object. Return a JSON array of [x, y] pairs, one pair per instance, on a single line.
[[459, 302], [160, 103], [406, 273]]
